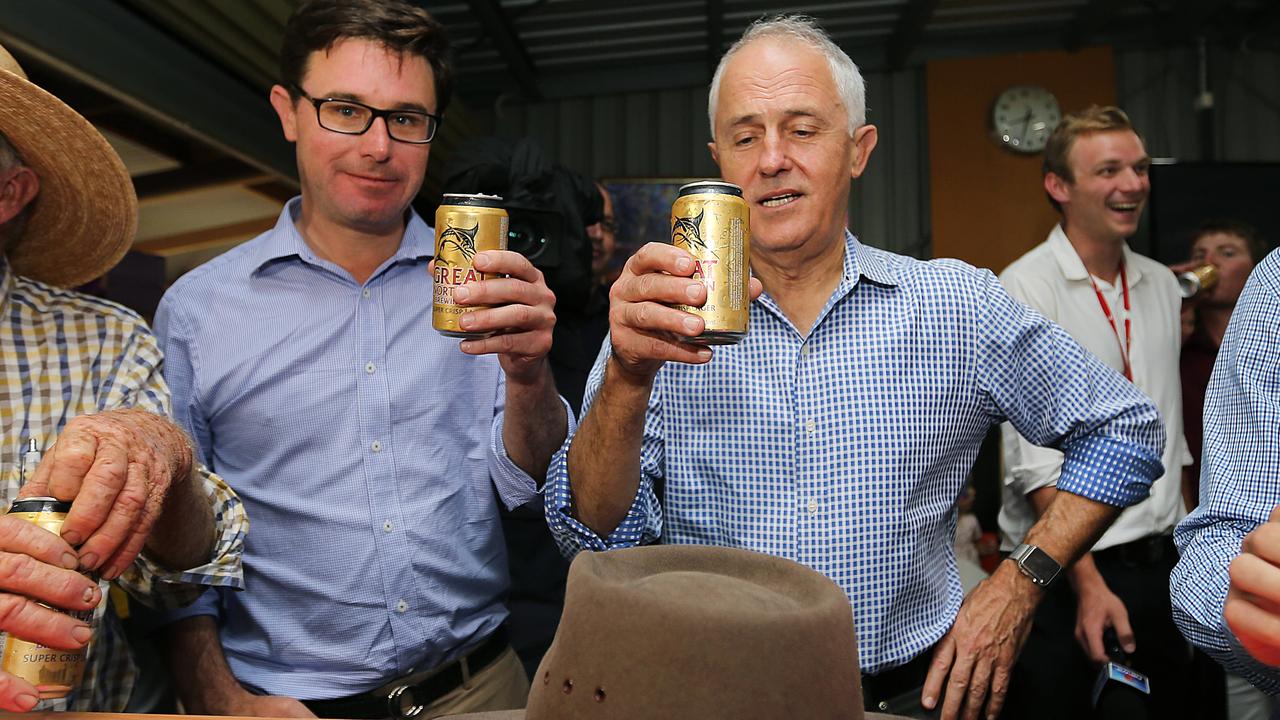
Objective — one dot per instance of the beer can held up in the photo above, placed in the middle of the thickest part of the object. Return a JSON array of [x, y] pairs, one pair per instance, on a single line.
[[711, 220], [465, 225]]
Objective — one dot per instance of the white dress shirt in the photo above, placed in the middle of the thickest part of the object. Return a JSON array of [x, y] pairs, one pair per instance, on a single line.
[[1052, 279]]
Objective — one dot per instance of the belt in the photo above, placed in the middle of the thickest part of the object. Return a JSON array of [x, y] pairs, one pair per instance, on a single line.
[[878, 689], [1143, 551], [407, 697]]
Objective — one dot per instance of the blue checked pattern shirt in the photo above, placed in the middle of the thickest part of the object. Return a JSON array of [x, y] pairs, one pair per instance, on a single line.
[[367, 448], [847, 450], [1239, 473]]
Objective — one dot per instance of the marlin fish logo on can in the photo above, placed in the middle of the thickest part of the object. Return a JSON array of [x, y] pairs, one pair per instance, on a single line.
[[465, 225], [711, 220]]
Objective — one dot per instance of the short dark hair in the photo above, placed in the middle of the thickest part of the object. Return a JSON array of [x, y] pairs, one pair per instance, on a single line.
[[1253, 240], [1093, 119], [317, 25]]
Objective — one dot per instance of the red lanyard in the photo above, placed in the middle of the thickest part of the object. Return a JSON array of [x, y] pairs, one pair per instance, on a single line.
[[1106, 310]]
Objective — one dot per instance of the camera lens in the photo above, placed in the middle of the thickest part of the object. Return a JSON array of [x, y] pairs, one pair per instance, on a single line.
[[526, 240]]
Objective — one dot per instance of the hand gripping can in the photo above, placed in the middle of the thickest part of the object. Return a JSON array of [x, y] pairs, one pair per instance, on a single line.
[[465, 225], [54, 673], [711, 220]]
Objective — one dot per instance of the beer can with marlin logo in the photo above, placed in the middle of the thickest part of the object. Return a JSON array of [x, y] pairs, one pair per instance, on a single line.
[[711, 220], [53, 672], [465, 225]]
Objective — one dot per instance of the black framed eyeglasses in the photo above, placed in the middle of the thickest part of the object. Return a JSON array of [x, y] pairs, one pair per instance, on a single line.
[[349, 117]]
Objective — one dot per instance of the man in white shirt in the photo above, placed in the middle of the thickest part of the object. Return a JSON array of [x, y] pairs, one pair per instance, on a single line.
[[1124, 308]]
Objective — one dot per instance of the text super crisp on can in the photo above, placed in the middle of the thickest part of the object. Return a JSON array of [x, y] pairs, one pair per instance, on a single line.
[[53, 672], [711, 220], [465, 225]]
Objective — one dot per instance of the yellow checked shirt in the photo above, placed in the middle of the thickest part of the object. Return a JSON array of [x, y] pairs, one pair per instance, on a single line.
[[65, 354]]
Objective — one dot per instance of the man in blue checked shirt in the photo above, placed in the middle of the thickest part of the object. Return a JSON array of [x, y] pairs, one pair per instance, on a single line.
[[370, 451], [840, 431], [1234, 615]]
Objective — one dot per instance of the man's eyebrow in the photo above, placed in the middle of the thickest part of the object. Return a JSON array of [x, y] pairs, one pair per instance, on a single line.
[[751, 118], [419, 107]]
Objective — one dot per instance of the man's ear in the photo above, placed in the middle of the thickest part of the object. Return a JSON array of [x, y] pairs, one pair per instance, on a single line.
[[17, 191], [864, 141], [1057, 187], [285, 107], [715, 154]]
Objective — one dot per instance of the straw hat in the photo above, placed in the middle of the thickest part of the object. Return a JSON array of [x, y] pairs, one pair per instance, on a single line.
[[84, 218], [687, 632]]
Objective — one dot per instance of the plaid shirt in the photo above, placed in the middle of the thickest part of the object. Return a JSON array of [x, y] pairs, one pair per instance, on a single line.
[[66, 354], [847, 450], [1239, 475]]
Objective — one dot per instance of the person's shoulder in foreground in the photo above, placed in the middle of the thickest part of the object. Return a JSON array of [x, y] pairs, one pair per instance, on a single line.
[[1223, 587]]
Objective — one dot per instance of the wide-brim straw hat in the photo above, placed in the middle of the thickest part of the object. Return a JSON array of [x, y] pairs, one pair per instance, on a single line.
[[84, 218], [687, 632]]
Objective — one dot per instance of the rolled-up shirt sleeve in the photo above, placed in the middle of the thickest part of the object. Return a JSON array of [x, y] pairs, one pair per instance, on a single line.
[[1058, 395], [643, 522], [515, 486], [140, 384]]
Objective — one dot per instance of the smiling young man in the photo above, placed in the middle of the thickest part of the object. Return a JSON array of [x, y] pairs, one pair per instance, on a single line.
[[1124, 308], [367, 446], [841, 430]]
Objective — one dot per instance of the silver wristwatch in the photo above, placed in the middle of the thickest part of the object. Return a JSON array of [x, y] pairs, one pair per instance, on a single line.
[[1035, 564]]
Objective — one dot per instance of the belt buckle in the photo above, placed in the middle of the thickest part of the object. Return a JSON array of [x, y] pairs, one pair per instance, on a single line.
[[396, 706]]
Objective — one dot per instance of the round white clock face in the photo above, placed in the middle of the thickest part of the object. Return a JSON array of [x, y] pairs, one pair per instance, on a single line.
[[1023, 117]]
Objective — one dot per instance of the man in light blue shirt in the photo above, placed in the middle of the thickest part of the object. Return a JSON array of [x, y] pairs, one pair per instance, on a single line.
[[841, 430], [1235, 615], [366, 446]]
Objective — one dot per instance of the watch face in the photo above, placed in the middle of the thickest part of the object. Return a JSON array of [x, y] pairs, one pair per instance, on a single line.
[[1042, 567], [1023, 117]]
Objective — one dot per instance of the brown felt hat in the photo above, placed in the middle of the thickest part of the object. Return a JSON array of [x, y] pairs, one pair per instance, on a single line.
[[84, 218], [693, 632]]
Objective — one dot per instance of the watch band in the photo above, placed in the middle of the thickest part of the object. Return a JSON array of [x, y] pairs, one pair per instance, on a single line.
[[1035, 564]]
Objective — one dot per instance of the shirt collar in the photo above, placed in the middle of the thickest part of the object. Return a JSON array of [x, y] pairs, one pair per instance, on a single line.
[[284, 241], [862, 261], [1072, 266]]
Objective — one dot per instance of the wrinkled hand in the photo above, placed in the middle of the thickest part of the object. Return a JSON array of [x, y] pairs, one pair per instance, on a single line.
[[521, 313], [37, 565], [1253, 599], [1189, 265], [267, 706], [975, 657], [1097, 608], [116, 468], [645, 331]]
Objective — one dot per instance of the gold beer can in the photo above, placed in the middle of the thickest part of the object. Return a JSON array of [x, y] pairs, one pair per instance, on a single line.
[[465, 225], [711, 220], [53, 672], [1193, 282]]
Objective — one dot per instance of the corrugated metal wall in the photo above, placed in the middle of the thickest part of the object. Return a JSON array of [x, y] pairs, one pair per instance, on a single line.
[[664, 134]]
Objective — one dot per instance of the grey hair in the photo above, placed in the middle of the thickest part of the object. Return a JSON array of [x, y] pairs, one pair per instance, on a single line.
[[850, 86], [9, 158]]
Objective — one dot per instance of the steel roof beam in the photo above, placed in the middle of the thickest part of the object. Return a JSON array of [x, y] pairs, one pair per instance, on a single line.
[[500, 31]]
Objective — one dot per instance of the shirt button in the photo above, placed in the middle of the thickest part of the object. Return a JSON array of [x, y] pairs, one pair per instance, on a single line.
[[813, 506], [387, 526], [804, 351], [376, 446], [365, 292], [370, 368], [811, 426], [402, 606]]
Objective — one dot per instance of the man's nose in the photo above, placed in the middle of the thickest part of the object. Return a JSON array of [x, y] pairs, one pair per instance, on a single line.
[[376, 141], [774, 157]]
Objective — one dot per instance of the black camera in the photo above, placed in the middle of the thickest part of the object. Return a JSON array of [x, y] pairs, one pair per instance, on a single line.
[[549, 207]]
